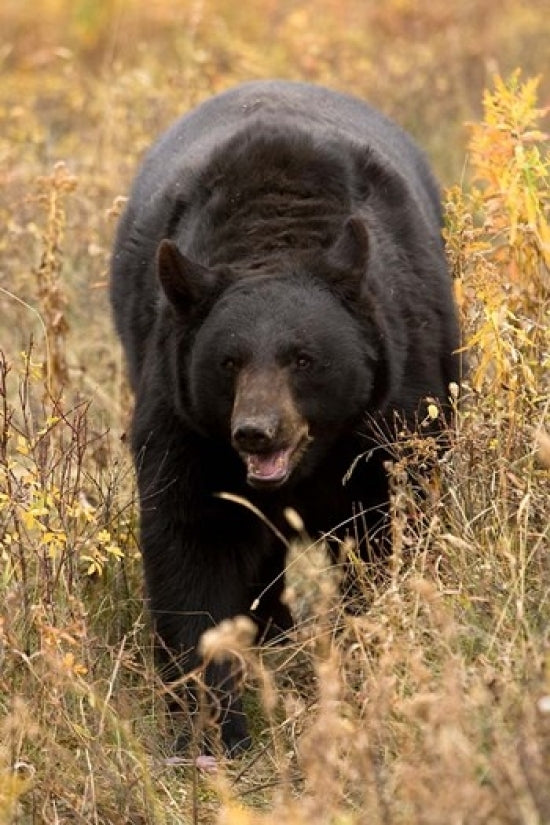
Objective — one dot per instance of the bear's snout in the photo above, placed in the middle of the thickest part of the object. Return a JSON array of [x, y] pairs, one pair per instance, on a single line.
[[267, 429], [255, 434]]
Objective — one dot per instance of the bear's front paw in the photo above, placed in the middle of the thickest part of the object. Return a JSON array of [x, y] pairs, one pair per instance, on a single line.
[[235, 740]]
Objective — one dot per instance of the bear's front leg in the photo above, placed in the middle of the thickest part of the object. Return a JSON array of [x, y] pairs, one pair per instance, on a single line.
[[192, 587], [205, 705]]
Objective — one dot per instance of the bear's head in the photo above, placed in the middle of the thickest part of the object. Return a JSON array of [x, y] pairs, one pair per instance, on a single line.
[[279, 364]]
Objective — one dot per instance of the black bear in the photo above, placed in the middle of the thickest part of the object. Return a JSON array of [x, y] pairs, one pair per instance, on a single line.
[[278, 282]]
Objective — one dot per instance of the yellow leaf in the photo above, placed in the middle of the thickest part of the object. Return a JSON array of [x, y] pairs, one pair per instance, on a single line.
[[433, 412], [22, 445]]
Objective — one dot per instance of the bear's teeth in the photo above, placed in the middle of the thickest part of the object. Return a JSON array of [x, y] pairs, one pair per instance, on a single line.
[[271, 467]]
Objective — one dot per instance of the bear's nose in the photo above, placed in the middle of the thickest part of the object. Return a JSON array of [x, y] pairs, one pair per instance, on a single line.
[[255, 435]]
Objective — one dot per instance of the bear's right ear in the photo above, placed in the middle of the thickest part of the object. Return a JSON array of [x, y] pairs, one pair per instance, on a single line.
[[183, 281]]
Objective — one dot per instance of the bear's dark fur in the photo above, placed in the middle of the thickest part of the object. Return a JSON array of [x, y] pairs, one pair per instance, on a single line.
[[278, 281]]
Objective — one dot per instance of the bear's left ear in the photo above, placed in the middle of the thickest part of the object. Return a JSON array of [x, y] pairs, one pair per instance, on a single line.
[[183, 281], [349, 254]]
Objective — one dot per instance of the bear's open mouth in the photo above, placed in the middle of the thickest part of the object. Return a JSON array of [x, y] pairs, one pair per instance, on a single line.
[[273, 468]]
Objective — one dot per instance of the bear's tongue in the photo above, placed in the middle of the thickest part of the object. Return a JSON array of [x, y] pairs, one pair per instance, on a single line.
[[268, 466]]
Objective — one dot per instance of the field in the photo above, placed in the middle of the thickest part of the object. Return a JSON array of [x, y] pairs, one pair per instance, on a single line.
[[433, 706]]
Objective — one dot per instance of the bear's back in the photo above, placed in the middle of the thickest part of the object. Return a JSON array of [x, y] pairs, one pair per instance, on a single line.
[[322, 113]]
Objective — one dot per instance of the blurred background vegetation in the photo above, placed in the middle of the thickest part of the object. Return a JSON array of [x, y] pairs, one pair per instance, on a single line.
[[71, 65]]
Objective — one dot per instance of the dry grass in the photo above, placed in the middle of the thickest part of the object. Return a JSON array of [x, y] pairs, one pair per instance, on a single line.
[[432, 706]]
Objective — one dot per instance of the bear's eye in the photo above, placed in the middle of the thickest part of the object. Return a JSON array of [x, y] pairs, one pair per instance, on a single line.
[[302, 362], [230, 364]]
